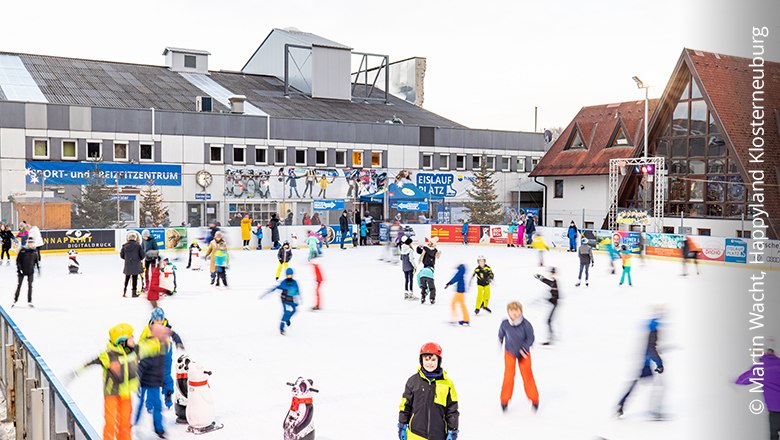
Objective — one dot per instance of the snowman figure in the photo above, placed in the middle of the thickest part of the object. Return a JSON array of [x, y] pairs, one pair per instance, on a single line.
[[200, 402], [298, 423]]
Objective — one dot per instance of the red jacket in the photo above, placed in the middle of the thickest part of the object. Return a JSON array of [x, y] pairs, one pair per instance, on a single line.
[[317, 273]]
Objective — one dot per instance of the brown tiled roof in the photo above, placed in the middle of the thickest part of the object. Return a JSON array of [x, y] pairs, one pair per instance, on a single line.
[[597, 125], [727, 83]]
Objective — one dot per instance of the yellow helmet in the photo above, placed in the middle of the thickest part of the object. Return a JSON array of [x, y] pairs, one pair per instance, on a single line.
[[120, 332]]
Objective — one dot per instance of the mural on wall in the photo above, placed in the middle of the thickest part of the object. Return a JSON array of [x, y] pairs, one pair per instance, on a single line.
[[256, 182]]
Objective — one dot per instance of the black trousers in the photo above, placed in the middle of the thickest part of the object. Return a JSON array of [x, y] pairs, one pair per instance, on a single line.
[[408, 277], [135, 282], [29, 287], [222, 275], [550, 319], [427, 287], [147, 265], [6, 252], [774, 424], [246, 242]]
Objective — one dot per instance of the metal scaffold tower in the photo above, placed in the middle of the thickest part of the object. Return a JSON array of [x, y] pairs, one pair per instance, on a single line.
[[656, 175]]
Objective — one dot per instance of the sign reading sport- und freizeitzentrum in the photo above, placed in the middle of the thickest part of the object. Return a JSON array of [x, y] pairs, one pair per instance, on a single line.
[[78, 173]]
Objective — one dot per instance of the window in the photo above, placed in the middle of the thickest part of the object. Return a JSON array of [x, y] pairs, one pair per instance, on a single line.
[[376, 159], [558, 188], [535, 162], [190, 61], [444, 162], [261, 155], [239, 154], [476, 162], [620, 139], [341, 158], [94, 150], [704, 231], [215, 153], [558, 223], [521, 164], [491, 163], [69, 150], [460, 161], [321, 158], [120, 151], [41, 149], [300, 157], [147, 152], [505, 163], [575, 141], [744, 234], [280, 156], [427, 161], [357, 158], [588, 225], [668, 230]]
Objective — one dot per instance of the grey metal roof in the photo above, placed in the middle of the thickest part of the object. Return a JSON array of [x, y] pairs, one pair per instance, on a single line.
[[178, 49], [309, 39], [123, 85]]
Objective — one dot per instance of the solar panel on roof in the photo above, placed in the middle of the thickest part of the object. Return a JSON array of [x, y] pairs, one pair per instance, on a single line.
[[16, 82]]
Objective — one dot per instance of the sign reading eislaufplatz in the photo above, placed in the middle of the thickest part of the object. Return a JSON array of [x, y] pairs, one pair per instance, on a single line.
[[79, 239], [78, 173]]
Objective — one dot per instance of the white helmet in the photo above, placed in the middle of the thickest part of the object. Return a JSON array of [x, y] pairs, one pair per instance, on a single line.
[[481, 257]]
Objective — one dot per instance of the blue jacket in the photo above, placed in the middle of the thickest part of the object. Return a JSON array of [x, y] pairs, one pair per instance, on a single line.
[[425, 272], [572, 232], [516, 338], [465, 228], [289, 289], [459, 279]]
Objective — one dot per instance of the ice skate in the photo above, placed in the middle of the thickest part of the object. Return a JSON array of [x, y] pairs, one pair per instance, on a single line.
[[422, 300], [30, 304], [13, 305], [504, 407], [433, 301], [476, 311], [487, 309], [577, 285], [535, 407], [619, 411]]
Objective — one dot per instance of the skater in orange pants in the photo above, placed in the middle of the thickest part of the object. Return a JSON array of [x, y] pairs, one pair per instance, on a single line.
[[117, 411], [517, 336], [459, 279]]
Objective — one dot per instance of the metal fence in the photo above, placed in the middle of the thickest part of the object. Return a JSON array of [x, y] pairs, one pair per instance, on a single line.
[[38, 404]]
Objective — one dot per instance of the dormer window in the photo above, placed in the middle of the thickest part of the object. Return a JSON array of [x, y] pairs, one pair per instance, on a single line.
[[186, 60], [575, 140], [619, 139], [190, 61]]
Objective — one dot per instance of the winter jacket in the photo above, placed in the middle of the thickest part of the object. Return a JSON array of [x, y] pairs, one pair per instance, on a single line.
[[221, 257], [344, 224], [651, 350], [530, 226], [284, 255], [572, 233], [151, 251], [290, 292], [538, 243], [771, 380], [363, 230], [35, 237], [459, 279], [429, 255], [626, 257], [125, 382], [133, 254], [25, 261], [464, 229], [517, 338], [426, 272], [429, 406], [152, 351], [246, 228], [7, 237], [274, 225], [407, 262], [553, 283], [586, 254], [211, 251], [484, 275], [259, 233]]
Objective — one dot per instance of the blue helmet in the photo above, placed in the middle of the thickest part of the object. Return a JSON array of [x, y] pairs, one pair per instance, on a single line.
[[289, 271], [157, 314]]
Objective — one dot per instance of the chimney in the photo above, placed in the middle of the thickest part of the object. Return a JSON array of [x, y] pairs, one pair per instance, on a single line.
[[237, 103]]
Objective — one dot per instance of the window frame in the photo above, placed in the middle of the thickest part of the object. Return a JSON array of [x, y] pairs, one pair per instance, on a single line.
[[352, 158], [265, 160], [150, 144], [508, 168], [75, 150], [127, 151], [521, 160], [476, 158], [194, 59], [100, 150], [429, 156], [283, 150], [297, 163], [447, 158], [460, 156], [221, 149], [48, 151], [324, 152], [488, 159], [534, 162], [235, 148], [381, 164], [343, 163], [556, 194]]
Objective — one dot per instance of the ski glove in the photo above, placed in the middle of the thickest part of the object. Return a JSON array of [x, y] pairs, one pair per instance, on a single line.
[[402, 431], [452, 435], [168, 399]]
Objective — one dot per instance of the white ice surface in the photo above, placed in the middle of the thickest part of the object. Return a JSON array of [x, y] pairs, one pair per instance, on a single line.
[[363, 345]]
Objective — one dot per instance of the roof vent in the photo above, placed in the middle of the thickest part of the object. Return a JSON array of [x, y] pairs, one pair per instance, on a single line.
[[237, 103], [186, 60]]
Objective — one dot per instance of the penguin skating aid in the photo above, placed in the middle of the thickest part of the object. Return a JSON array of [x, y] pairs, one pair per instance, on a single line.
[[298, 423]]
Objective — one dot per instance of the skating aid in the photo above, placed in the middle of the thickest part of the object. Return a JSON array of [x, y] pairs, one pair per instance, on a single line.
[[298, 423]]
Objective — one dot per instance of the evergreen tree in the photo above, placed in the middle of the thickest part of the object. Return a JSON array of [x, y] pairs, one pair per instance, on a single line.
[[152, 203], [483, 207], [95, 208]]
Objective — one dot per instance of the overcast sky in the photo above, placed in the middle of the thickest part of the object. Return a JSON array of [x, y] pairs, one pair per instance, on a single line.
[[489, 62]]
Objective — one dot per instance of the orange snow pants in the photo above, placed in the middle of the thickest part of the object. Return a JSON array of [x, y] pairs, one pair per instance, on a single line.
[[459, 300], [509, 378], [117, 416]]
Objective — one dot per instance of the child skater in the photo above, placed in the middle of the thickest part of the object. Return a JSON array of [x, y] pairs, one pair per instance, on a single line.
[[312, 242], [154, 290], [408, 267], [554, 296], [484, 275], [458, 300], [585, 253], [538, 243], [290, 295], [429, 405], [158, 318], [284, 255], [259, 234], [517, 336], [318, 279], [153, 344], [625, 255], [425, 281], [221, 263]]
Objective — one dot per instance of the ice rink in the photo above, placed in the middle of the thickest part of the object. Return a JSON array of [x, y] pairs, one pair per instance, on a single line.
[[363, 345]]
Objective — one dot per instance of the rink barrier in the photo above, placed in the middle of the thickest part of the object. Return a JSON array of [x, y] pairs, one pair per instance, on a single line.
[[37, 402]]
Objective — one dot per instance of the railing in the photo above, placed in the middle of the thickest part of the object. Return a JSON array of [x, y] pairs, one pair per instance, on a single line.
[[37, 402]]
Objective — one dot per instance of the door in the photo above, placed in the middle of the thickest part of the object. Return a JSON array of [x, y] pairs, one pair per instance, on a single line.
[[195, 214]]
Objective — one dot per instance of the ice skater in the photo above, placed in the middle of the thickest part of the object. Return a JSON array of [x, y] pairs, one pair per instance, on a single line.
[[625, 255], [651, 357], [290, 296], [259, 234], [516, 334], [429, 405], [539, 244], [572, 234], [484, 275], [133, 254], [8, 239], [408, 267], [153, 346], [553, 299], [221, 263], [613, 252], [458, 299], [284, 255], [151, 253], [318, 279], [464, 231], [767, 372], [585, 253], [427, 286], [217, 243], [313, 243], [25, 267], [429, 253], [689, 252]]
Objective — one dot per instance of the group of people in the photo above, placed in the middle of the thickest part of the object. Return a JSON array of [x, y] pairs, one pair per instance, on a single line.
[[141, 255]]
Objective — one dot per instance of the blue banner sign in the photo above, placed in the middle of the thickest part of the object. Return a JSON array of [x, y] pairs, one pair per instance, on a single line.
[[122, 196], [736, 251], [410, 206], [202, 196], [438, 185], [157, 233], [77, 173], [328, 205]]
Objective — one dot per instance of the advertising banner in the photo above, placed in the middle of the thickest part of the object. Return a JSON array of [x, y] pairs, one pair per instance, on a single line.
[[336, 237], [439, 185], [77, 173], [328, 205], [79, 239], [736, 251], [410, 206], [157, 233], [176, 238], [664, 245], [452, 233], [627, 216], [712, 248]]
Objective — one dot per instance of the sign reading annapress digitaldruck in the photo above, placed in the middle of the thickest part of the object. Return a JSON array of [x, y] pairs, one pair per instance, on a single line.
[[78, 173]]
